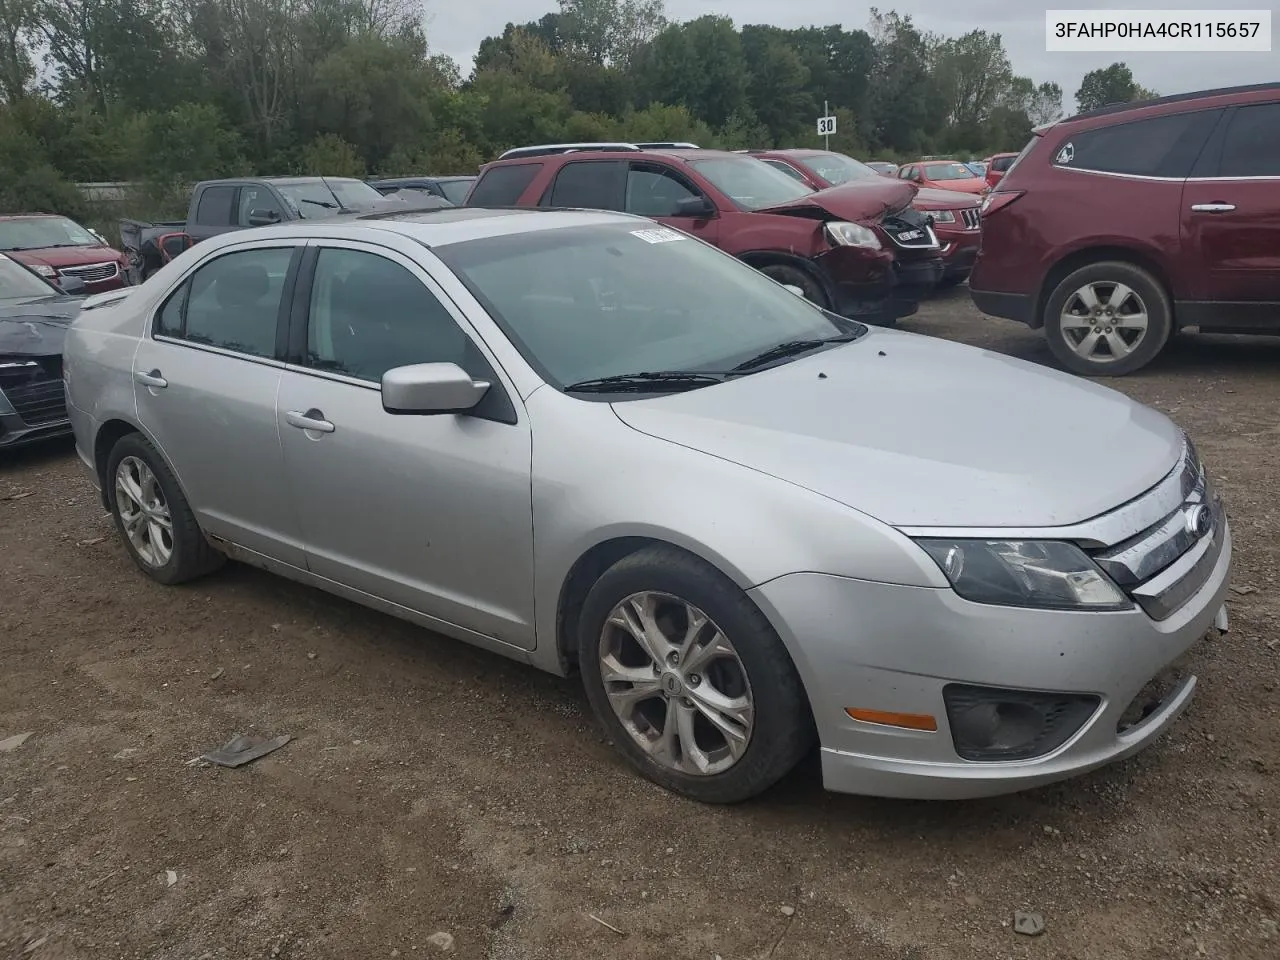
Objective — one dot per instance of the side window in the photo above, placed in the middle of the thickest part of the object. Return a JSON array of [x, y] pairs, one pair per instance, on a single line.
[[1251, 145], [654, 191], [503, 186], [786, 168], [258, 202], [369, 314], [1158, 147], [214, 209], [595, 184], [232, 302]]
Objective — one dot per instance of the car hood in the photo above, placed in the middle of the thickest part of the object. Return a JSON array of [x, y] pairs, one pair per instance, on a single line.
[[65, 256], [930, 198], [917, 431], [862, 200], [36, 328], [976, 185]]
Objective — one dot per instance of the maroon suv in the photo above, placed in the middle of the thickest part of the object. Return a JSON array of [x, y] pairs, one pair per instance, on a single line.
[[1116, 228], [859, 250], [56, 247], [956, 218]]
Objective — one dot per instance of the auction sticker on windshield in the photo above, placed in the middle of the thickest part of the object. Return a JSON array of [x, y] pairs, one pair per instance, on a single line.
[[657, 235]]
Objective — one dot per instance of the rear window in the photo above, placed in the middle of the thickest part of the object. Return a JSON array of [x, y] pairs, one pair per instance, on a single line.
[[1251, 145], [1158, 147], [1001, 164], [503, 186], [215, 207]]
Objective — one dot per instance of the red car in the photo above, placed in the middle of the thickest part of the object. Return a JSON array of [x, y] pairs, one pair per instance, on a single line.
[[956, 217], [943, 175], [57, 247], [997, 166], [859, 250], [1116, 228]]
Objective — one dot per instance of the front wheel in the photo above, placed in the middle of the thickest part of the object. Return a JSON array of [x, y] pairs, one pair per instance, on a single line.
[[1107, 319], [689, 679], [795, 277]]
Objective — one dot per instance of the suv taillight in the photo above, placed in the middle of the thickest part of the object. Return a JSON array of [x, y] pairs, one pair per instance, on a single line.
[[998, 201]]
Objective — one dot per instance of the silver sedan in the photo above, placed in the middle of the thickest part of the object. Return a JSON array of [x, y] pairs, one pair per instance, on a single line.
[[599, 445]]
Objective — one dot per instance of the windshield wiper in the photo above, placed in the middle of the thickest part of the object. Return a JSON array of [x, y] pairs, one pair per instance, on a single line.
[[790, 349], [651, 381], [321, 203]]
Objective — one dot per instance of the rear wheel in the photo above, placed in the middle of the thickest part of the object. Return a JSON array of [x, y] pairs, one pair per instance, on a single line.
[[795, 277], [1107, 319]]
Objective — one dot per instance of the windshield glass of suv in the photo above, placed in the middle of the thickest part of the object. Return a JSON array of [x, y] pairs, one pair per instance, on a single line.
[[581, 302], [947, 171], [752, 184], [19, 283], [35, 233], [836, 168]]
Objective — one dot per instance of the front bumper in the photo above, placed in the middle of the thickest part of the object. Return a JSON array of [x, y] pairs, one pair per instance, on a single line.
[[876, 646], [959, 251], [36, 412]]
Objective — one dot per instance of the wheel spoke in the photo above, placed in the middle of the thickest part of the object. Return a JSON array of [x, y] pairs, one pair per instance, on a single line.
[[126, 484], [1088, 296], [1119, 294], [1119, 346], [697, 657], [1074, 321], [691, 754], [730, 715], [1131, 321], [636, 616], [1088, 343]]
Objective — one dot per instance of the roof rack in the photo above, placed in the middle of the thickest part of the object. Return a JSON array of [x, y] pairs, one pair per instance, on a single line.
[[667, 145], [547, 149]]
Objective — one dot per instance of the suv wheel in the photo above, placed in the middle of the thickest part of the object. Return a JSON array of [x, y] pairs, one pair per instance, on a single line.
[[689, 679], [795, 277], [1107, 319]]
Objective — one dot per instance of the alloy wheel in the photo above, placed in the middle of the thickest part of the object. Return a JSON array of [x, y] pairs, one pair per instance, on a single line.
[[676, 683], [144, 514], [1103, 322]]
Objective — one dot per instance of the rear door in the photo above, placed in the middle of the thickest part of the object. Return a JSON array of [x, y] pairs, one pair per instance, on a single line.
[[214, 211], [591, 184], [654, 190], [1231, 216]]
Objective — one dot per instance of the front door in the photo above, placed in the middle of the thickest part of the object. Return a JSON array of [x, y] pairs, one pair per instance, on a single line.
[[205, 380], [654, 189], [1231, 218], [433, 513]]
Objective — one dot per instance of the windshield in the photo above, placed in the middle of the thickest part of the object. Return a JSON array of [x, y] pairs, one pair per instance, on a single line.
[[947, 171], [35, 233], [752, 184], [836, 168], [581, 302], [325, 197], [455, 191], [19, 283]]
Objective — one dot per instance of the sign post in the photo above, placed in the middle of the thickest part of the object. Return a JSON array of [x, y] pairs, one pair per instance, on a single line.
[[826, 124]]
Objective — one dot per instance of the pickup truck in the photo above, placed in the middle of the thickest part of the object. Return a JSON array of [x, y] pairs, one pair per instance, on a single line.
[[219, 206]]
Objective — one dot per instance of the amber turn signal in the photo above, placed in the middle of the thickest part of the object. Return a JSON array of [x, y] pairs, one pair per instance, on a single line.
[[887, 718]]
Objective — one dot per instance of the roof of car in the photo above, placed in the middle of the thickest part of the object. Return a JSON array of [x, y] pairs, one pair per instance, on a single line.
[[673, 153], [1114, 108], [30, 216]]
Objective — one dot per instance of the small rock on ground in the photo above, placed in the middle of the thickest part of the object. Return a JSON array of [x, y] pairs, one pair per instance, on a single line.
[[1028, 924], [14, 742], [441, 940]]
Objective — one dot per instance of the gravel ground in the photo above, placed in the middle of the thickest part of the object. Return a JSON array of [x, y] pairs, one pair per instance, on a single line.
[[440, 800]]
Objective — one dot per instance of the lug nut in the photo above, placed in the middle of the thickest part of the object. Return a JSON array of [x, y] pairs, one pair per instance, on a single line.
[[673, 658], [694, 679]]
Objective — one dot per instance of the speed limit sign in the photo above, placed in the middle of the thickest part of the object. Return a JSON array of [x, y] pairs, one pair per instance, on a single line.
[[826, 126]]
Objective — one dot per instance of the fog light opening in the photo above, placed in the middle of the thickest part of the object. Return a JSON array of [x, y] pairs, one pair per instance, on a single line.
[[992, 724]]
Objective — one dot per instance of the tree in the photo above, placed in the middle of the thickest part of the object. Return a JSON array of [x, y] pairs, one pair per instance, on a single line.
[[18, 22], [700, 65], [973, 74], [1108, 85], [778, 84], [1045, 104], [906, 102], [609, 31]]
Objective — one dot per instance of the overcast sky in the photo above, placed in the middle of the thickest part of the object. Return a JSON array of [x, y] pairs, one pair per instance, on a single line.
[[456, 28]]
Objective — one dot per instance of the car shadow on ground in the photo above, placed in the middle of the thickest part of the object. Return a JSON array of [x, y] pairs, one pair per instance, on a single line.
[[37, 455]]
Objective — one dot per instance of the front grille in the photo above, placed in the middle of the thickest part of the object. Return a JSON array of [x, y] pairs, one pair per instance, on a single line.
[[93, 272], [910, 229], [1168, 560], [34, 389], [972, 218]]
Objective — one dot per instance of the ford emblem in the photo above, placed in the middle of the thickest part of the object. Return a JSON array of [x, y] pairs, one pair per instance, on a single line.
[[1199, 521]]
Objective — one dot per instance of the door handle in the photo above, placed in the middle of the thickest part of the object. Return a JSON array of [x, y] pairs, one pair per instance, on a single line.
[[311, 420], [152, 379], [1215, 207]]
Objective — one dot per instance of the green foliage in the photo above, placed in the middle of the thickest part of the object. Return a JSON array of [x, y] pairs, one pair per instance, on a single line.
[[1108, 85], [161, 93]]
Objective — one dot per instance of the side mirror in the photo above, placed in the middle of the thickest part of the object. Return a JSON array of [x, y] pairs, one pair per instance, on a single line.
[[426, 388], [699, 207], [794, 289], [71, 285], [263, 218]]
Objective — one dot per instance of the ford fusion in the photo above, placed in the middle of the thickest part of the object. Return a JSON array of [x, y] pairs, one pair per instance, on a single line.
[[604, 447]]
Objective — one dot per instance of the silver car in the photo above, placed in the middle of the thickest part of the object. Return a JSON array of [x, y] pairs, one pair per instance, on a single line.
[[596, 444]]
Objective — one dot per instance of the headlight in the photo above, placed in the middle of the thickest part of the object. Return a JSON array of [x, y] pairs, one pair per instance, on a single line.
[[1025, 573], [844, 234], [45, 270], [942, 216]]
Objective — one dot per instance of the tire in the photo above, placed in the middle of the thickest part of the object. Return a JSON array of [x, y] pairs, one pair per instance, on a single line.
[[1145, 294], [795, 277], [189, 555], [665, 581]]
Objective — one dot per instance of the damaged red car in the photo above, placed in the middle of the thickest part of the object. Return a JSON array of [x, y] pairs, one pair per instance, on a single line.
[[57, 247]]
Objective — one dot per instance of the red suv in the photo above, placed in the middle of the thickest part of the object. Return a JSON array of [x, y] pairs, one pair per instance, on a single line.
[[956, 217], [859, 250], [1117, 227], [997, 166], [56, 247]]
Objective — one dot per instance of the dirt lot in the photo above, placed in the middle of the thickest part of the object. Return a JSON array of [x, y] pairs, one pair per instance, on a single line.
[[433, 789]]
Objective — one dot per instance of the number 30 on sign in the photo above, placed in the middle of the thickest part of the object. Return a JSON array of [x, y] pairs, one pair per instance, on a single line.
[[826, 126]]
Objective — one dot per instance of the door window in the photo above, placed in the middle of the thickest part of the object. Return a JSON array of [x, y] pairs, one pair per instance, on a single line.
[[369, 314], [232, 302], [1159, 147], [215, 207], [1251, 146], [594, 184], [260, 201], [786, 168], [503, 186], [654, 191]]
